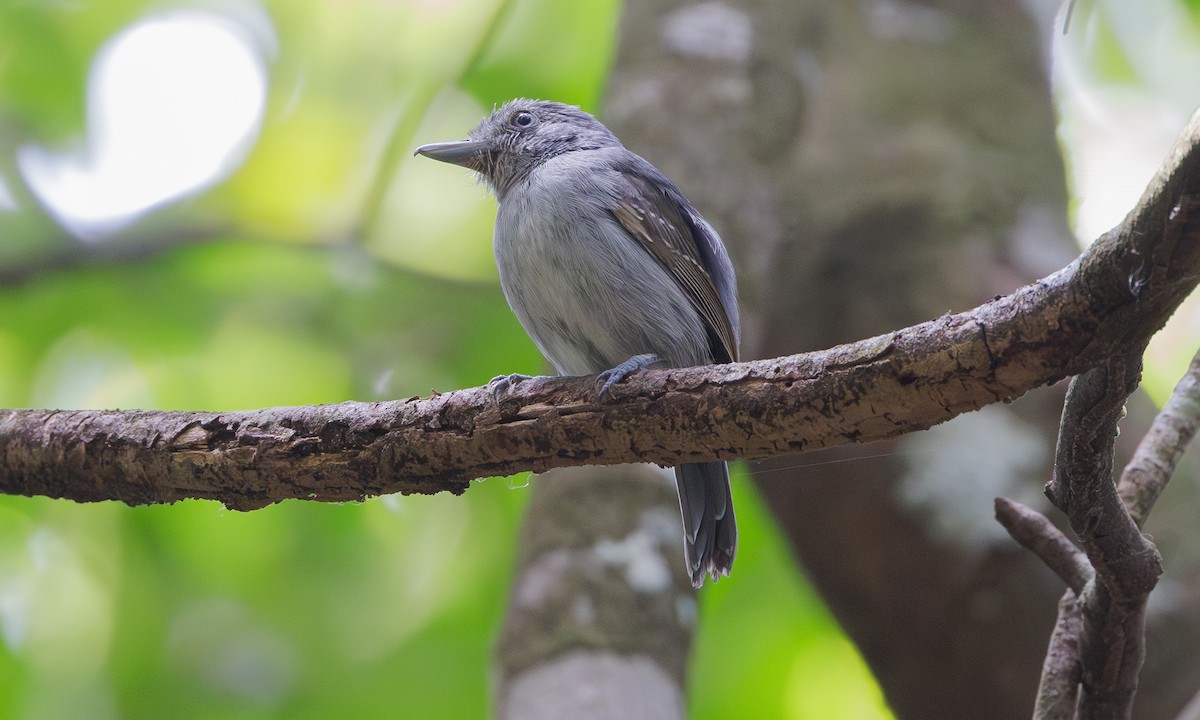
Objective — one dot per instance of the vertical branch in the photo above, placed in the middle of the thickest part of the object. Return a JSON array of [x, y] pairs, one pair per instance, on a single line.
[[1083, 487], [1112, 639]]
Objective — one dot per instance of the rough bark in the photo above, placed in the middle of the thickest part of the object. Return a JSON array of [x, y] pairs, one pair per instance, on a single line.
[[1112, 639]]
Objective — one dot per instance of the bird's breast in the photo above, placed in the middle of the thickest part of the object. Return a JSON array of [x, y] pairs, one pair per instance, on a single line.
[[586, 293]]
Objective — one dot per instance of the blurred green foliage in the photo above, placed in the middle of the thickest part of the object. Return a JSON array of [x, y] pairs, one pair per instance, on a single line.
[[328, 265]]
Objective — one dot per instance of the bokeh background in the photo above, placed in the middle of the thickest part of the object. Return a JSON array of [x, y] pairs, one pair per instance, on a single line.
[[213, 205]]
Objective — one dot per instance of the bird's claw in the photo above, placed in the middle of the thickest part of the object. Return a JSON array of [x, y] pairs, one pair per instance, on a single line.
[[501, 383], [616, 374]]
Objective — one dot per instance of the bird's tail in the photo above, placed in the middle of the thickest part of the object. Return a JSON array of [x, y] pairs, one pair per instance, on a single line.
[[710, 533]]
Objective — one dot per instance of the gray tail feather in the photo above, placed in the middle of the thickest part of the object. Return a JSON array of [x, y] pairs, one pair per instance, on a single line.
[[710, 532]]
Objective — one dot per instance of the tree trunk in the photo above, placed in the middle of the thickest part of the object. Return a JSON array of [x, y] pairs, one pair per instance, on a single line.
[[601, 613]]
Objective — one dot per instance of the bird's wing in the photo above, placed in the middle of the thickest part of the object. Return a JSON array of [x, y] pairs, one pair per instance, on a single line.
[[660, 218]]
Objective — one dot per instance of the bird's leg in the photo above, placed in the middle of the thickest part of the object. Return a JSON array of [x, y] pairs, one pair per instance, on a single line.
[[622, 371]]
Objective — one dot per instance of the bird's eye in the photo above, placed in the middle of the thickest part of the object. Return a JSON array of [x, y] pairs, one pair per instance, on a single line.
[[524, 119]]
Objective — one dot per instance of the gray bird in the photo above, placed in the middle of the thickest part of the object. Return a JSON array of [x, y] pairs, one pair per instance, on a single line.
[[609, 268]]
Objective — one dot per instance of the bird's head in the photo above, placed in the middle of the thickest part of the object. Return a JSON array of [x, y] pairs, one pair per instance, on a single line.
[[518, 137]]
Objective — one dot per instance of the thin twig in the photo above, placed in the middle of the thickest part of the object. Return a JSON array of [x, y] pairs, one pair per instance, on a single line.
[[1036, 533], [1159, 452], [1058, 690]]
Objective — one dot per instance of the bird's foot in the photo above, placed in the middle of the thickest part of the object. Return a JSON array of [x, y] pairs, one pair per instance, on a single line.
[[501, 383], [615, 375]]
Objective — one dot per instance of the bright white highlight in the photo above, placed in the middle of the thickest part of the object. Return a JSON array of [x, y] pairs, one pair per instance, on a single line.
[[174, 104]]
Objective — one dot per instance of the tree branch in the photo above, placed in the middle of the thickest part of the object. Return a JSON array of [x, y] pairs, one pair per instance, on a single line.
[[1083, 486], [1112, 298], [139, 243]]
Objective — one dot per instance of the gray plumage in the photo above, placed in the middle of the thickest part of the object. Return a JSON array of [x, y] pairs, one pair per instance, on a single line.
[[602, 258]]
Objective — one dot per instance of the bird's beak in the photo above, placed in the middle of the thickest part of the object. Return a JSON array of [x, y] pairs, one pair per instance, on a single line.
[[461, 152]]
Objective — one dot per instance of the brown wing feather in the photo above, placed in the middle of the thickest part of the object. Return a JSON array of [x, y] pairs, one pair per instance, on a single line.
[[658, 226]]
